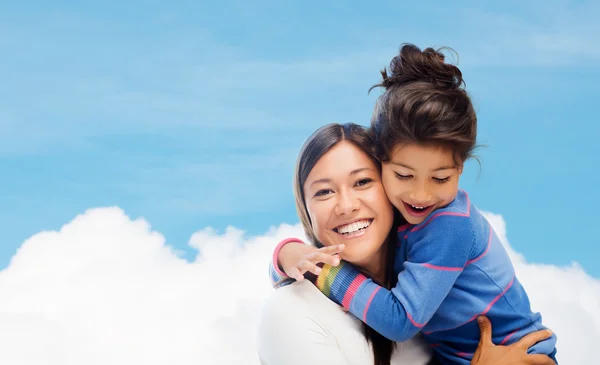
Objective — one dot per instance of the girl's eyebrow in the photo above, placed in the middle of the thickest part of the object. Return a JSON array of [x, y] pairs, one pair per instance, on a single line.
[[402, 165], [445, 168]]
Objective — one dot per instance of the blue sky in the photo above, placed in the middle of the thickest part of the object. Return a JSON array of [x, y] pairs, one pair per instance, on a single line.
[[191, 115]]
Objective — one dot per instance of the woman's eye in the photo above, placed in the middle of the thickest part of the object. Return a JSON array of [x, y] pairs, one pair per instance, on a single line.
[[323, 192], [402, 177], [441, 180], [363, 182]]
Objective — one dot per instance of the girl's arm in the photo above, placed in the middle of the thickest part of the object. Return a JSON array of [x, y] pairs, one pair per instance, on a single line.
[[276, 273], [292, 259], [434, 263]]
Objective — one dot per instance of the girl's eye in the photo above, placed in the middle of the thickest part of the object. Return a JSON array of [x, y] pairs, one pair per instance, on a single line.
[[441, 180], [323, 192], [402, 177], [363, 182]]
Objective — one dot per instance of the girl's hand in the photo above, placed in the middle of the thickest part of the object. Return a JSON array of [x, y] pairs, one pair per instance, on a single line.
[[298, 258], [516, 354]]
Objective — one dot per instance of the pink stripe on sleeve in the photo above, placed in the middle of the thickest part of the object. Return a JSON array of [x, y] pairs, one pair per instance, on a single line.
[[352, 289], [443, 268], [369, 304], [507, 337]]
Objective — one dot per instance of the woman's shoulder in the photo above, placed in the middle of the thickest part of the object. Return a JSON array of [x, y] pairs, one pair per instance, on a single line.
[[302, 298], [300, 325], [298, 317]]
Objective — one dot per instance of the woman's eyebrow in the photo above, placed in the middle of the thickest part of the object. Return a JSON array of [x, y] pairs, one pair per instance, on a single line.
[[353, 172], [359, 170], [324, 180]]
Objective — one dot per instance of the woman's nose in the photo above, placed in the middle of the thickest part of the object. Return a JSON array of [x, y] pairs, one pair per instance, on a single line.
[[347, 203]]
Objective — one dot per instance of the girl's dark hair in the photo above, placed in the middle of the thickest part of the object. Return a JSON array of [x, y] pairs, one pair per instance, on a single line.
[[319, 143], [424, 102]]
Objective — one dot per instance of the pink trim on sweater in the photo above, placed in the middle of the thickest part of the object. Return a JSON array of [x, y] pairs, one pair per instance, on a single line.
[[455, 214], [276, 254]]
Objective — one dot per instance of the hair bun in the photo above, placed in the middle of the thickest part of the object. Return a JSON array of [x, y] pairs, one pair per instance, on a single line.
[[413, 65]]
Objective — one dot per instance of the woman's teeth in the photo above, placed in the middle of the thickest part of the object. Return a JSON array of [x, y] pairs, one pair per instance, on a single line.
[[353, 227]]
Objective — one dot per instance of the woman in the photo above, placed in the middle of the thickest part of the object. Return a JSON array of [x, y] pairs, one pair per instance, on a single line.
[[338, 181]]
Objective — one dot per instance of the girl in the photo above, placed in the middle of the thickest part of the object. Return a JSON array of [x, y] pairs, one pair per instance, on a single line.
[[450, 265], [338, 179]]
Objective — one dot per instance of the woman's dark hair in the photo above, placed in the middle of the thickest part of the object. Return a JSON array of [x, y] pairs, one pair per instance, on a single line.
[[318, 144], [424, 102]]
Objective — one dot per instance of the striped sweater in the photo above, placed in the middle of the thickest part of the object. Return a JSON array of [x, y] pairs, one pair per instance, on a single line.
[[451, 268]]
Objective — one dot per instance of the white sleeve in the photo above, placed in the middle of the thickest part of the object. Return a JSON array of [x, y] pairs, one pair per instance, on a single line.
[[289, 333]]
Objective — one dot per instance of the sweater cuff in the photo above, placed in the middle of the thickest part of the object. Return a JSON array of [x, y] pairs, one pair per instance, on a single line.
[[340, 283], [276, 273]]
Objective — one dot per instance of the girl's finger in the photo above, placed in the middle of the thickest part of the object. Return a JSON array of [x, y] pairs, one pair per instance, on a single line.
[[296, 274], [316, 257], [307, 265], [331, 250]]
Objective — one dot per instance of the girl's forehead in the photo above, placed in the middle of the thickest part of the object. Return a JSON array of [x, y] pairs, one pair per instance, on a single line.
[[416, 156]]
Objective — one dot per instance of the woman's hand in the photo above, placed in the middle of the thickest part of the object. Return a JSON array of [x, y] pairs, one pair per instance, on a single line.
[[298, 258], [516, 354]]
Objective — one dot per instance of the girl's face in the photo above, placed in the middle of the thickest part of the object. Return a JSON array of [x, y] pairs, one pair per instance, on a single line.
[[347, 204], [419, 179]]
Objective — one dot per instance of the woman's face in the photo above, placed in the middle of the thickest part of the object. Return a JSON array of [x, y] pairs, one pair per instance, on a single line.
[[347, 204]]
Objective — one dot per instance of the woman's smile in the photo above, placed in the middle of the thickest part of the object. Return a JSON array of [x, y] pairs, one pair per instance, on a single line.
[[355, 229]]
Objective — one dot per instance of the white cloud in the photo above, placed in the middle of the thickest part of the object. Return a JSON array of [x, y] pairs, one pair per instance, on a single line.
[[107, 289]]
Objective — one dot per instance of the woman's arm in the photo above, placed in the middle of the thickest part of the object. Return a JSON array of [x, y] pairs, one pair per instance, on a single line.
[[515, 354]]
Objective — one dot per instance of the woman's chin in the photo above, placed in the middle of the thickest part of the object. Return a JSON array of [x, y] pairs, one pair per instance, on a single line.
[[357, 256]]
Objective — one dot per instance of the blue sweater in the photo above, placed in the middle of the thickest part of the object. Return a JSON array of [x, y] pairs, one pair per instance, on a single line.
[[451, 268]]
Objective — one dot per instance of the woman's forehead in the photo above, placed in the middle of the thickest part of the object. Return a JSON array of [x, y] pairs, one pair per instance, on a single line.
[[343, 160]]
